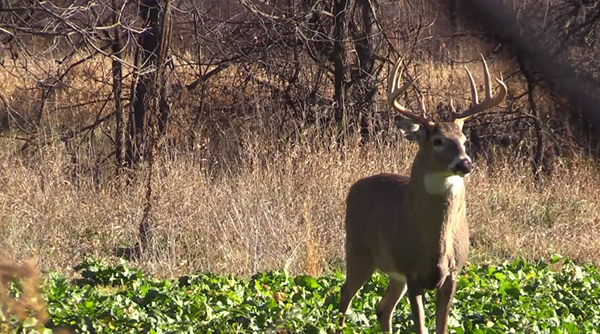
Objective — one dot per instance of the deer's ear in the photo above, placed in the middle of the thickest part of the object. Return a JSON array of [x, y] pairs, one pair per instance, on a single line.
[[411, 130]]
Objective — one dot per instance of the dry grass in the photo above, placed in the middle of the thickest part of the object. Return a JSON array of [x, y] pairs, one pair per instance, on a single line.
[[511, 216], [277, 206], [274, 210]]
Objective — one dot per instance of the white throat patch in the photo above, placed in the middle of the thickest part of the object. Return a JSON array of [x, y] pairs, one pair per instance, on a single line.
[[442, 184]]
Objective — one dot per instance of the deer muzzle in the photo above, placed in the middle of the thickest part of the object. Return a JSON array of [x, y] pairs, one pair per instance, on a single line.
[[463, 167]]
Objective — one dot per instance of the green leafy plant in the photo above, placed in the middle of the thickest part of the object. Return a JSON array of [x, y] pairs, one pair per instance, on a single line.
[[555, 296]]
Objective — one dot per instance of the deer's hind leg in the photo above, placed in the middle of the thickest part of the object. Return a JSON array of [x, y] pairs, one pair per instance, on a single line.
[[359, 269], [394, 292]]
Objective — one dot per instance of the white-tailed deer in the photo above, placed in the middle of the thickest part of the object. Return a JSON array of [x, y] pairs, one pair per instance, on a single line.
[[415, 228]]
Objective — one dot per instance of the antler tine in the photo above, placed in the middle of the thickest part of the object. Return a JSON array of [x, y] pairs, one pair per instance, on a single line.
[[489, 101], [423, 109], [452, 108], [474, 97], [488, 82], [395, 89]]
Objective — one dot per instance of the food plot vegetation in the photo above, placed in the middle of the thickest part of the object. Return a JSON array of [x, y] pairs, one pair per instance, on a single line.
[[552, 296]]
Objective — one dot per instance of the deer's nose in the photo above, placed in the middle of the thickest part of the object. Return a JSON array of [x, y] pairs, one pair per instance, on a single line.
[[463, 166]]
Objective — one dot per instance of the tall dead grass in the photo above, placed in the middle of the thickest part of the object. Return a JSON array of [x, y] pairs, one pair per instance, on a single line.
[[243, 201], [273, 209]]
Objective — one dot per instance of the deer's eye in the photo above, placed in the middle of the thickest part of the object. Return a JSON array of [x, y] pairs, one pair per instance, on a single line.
[[437, 142]]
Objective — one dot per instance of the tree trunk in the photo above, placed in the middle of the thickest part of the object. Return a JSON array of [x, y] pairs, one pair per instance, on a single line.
[[117, 85], [150, 109], [537, 163], [338, 56], [146, 61], [366, 37]]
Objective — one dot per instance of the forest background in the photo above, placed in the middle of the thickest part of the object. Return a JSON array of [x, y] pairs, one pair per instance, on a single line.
[[223, 135]]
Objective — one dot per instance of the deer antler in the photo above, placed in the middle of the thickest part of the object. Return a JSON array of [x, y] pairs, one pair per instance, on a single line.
[[395, 89], [489, 101]]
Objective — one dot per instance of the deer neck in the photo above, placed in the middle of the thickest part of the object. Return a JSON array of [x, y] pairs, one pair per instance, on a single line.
[[437, 206], [436, 200]]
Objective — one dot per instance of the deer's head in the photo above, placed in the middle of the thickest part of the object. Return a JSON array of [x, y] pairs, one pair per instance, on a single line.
[[442, 144]]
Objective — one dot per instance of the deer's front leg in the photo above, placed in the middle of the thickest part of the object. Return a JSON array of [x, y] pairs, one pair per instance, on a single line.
[[415, 295], [443, 302]]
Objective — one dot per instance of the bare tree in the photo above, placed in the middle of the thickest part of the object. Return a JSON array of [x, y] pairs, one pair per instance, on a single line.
[[147, 61]]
